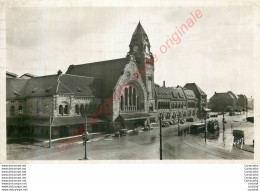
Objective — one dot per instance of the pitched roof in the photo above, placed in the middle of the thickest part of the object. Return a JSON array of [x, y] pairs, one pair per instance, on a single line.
[[242, 96], [189, 94], [14, 87], [163, 92], [195, 87], [41, 86], [108, 71], [11, 74], [221, 95], [170, 93], [54, 84], [28, 74]]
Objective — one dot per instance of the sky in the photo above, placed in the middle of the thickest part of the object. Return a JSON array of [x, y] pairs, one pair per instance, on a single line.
[[216, 52]]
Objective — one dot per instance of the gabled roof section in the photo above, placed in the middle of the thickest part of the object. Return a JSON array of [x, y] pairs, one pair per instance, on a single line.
[[196, 88], [11, 75], [28, 75], [79, 85], [107, 71], [163, 92], [41, 86], [14, 87], [189, 94]]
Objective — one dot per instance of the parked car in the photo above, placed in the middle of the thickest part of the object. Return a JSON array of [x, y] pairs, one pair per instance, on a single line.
[[191, 119], [182, 121], [231, 113], [123, 132], [165, 124], [147, 128], [171, 122]]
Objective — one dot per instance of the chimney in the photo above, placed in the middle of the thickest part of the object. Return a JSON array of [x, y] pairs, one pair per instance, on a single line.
[[164, 84], [59, 72]]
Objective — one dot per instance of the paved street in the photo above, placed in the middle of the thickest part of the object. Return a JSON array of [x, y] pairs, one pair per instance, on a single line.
[[144, 146]]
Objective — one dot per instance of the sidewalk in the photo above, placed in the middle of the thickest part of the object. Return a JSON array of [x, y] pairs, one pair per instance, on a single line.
[[46, 140], [248, 148]]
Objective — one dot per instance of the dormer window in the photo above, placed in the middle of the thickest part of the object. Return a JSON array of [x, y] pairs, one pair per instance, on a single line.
[[78, 89], [34, 90]]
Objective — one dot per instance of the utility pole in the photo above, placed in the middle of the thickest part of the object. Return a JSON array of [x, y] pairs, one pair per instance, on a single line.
[[160, 138], [51, 120], [223, 120], [50, 132], [178, 123]]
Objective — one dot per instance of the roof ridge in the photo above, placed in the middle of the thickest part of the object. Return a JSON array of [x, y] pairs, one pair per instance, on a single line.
[[97, 62], [79, 76], [65, 87]]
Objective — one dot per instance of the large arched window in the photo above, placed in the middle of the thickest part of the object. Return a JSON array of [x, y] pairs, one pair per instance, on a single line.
[[77, 109], [66, 109], [121, 103], [81, 109], [60, 109], [133, 98], [12, 111], [86, 109]]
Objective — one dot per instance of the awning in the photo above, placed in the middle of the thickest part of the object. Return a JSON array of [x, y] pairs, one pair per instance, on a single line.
[[134, 116]]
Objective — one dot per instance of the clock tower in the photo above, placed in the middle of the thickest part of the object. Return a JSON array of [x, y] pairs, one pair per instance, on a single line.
[[140, 49]]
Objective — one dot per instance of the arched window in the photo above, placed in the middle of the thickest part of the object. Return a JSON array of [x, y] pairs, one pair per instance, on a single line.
[[91, 108], [130, 96], [121, 103], [86, 109], [134, 97], [126, 97], [81, 109], [66, 109], [60, 109], [77, 109], [12, 111]]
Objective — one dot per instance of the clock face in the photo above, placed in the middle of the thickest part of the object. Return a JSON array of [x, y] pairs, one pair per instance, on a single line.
[[135, 48]]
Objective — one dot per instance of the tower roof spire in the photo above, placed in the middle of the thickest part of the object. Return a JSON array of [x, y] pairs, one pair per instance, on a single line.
[[139, 35]]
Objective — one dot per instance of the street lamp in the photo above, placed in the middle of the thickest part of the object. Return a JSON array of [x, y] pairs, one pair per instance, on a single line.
[[205, 110], [179, 123], [85, 136], [51, 120], [160, 118]]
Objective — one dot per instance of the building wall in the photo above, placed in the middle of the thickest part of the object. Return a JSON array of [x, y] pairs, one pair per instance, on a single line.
[[15, 104]]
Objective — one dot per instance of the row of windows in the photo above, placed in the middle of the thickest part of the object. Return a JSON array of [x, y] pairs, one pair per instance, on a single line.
[[182, 114], [79, 109], [166, 105], [175, 105], [12, 110]]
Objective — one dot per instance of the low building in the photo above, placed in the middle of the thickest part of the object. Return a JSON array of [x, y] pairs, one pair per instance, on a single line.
[[220, 102]]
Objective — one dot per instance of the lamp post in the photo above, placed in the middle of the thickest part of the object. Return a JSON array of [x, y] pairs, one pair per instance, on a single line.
[[160, 118], [85, 136], [179, 123], [51, 120], [205, 110]]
